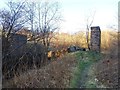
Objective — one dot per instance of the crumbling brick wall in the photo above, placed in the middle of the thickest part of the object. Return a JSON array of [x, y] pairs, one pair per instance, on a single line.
[[95, 41]]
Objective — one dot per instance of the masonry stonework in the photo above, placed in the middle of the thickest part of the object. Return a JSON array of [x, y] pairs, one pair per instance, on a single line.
[[95, 41]]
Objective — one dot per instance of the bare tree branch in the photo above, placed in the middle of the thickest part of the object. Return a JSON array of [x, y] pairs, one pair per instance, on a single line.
[[88, 25]]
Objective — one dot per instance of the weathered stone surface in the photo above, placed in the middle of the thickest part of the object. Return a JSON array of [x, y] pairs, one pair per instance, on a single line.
[[95, 41]]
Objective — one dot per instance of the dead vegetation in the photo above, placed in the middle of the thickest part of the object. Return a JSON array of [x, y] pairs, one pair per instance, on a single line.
[[58, 73], [107, 67], [107, 72], [55, 75]]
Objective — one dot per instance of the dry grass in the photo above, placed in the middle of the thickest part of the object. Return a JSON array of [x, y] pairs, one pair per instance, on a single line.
[[107, 72], [107, 68], [55, 75], [58, 73], [109, 40]]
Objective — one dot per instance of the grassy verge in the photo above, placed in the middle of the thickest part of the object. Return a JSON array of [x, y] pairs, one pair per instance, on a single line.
[[84, 60]]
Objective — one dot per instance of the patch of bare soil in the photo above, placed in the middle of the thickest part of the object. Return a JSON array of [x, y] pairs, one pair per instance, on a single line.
[[57, 74]]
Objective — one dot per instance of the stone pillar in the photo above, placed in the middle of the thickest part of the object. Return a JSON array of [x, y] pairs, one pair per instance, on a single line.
[[95, 41]]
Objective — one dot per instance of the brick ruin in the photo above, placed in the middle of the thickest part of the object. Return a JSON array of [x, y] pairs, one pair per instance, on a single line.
[[95, 41]]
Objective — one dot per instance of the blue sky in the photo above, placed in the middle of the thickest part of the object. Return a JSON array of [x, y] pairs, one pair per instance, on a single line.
[[75, 13]]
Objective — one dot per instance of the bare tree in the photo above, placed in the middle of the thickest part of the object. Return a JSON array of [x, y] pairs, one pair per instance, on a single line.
[[89, 22], [43, 19], [30, 15], [12, 19], [48, 18]]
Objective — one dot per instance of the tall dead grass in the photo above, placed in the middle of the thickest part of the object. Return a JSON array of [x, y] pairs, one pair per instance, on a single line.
[[58, 73], [109, 41], [55, 75]]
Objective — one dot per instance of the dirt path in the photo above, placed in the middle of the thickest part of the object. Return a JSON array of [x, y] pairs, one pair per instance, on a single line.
[[83, 78], [98, 74], [91, 81], [86, 70]]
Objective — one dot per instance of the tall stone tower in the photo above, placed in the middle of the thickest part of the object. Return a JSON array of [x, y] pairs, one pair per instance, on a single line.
[[95, 41]]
